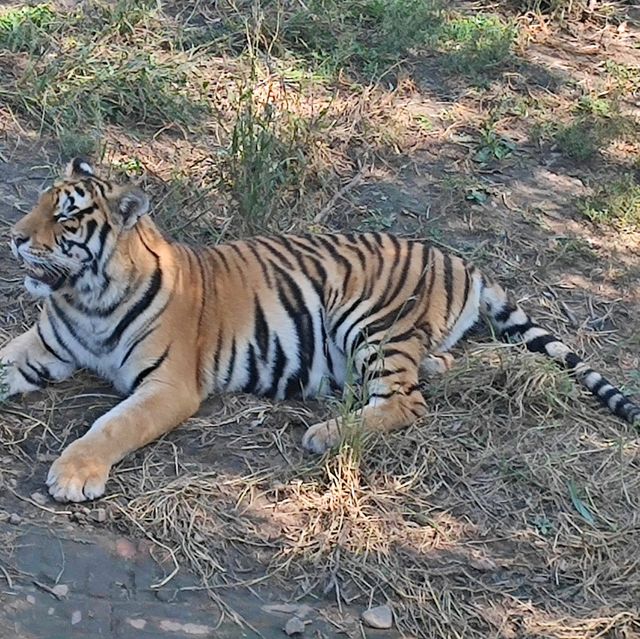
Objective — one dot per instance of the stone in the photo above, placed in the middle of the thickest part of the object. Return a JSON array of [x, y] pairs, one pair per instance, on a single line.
[[61, 590], [76, 617], [99, 515], [379, 617], [14, 519], [125, 548], [295, 626], [39, 498]]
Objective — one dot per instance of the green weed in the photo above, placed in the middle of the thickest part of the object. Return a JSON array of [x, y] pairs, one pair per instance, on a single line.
[[477, 44], [100, 71], [625, 78], [265, 162], [492, 147], [26, 28], [362, 35], [616, 203]]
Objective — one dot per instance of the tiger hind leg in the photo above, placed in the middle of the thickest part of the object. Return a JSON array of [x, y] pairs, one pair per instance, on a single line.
[[393, 397]]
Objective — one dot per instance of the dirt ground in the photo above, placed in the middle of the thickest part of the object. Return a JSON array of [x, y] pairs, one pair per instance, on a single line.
[[512, 510]]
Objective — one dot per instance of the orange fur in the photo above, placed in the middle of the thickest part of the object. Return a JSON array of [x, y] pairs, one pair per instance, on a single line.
[[168, 324]]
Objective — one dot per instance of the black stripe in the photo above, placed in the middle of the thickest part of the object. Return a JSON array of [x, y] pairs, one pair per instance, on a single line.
[[503, 315], [263, 266], [539, 344], [232, 362], [281, 258], [261, 330], [280, 363], [252, 366], [142, 375], [138, 308], [34, 381], [69, 325], [612, 392], [59, 340], [448, 286], [518, 329], [104, 231], [135, 343], [572, 360], [595, 389], [48, 347], [295, 306], [381, 395], [217, 352], [236, 249]]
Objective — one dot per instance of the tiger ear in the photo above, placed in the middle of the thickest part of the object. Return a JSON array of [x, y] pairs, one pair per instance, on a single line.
[[131, 204], [78, 168]]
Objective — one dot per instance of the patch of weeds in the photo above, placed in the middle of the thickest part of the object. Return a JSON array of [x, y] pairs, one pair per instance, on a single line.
[[576, 247], [633, 385], [556, 8], [492, 147], [458, 189], [26, 28], [598, 122], [378, 221], [265, 162], [625, 78], [585, 137], [86, 89], [476, 44], [129, 167], [425, 122], [616, 203], [363, 35], [596, 106], [97, 66], [184, 207], [543, 525]]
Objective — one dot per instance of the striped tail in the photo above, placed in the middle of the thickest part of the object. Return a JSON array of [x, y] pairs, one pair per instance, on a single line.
[[512, 322]]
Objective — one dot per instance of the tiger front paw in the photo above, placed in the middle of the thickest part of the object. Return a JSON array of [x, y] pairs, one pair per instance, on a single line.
[[321, 437], [78, 474]]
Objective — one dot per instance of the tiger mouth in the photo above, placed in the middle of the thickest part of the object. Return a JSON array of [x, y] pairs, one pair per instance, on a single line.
[[44, 276]]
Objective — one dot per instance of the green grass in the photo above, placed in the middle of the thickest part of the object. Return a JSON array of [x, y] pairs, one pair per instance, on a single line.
[[596, 124], [616, 204], [363, 36], [625, 78], [492, 147], [265, 162], [95, 72], [477, 44], [27, 28]]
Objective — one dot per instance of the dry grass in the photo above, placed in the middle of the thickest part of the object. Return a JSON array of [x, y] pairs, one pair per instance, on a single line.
[[512, 510]]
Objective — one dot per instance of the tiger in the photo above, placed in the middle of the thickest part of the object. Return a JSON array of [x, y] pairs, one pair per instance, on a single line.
[[168, 324]]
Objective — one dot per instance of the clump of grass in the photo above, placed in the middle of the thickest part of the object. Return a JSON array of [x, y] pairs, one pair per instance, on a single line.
[[616, 203], [625, 78], [364, 36], [556, 8], [476, 44], [492, 146], [102, 73], [265, 162], [26, 28], [597, 123]]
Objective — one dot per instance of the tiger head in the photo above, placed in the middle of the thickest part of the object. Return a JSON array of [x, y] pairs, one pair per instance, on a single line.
[[69, 235]]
